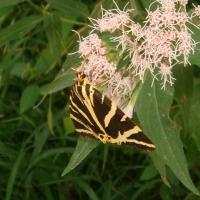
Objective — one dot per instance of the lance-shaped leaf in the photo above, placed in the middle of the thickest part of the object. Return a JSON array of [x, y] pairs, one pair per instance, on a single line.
[[61, 81], [83, 148], [152, 107], [19, 28]]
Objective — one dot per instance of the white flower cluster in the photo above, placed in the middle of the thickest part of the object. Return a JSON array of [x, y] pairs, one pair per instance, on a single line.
[[111, 20], [100, 71], [158, 45], [95, 65]]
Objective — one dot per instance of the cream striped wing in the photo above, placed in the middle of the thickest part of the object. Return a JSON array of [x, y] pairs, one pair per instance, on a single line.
[[94, 115]]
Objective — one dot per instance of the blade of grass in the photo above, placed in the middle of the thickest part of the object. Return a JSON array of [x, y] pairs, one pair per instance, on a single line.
[[13, 174]]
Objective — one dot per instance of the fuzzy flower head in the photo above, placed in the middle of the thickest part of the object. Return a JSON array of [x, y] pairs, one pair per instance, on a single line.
[[95, 64], [170, 5], [185, 44], [89, 45], [98, 69], [197, 11], [167, 5], [111, 20], [167, 19], [166, 75]]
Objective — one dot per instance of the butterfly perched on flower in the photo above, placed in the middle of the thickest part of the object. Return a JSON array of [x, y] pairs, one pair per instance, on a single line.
[[96, 116]]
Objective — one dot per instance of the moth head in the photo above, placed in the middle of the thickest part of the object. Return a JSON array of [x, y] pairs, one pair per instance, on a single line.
[[81, 79], [80, 76]]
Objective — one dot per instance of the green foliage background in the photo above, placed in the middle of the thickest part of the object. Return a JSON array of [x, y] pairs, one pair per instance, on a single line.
[[37, 139]]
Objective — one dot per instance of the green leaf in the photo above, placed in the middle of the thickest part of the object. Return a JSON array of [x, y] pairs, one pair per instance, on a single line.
[[13, 174], [165, 193], [61, 81], [152, 107], [184, 81], [40, 139], [53, 27], [88, 189], [19, 69], [141, 5], [70, 8], [51, 152], [191, 196], [44, 61], [195, 58], [148, 173], [6, 3], [194, 116], [83, 149], [4, 12], [19, 28], [48, 153], [160, 166], [48, 193], [29, 97], [183, 92], [7, 152], [50, 117], [68, 125]]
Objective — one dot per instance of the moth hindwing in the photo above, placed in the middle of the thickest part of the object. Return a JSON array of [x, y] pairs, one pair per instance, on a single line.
[[94, 115]]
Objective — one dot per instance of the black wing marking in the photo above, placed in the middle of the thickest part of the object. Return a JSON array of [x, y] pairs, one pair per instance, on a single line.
[[95, 115]]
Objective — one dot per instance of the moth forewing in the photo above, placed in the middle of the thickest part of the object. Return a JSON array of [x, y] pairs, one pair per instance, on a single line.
[[95, 115]]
